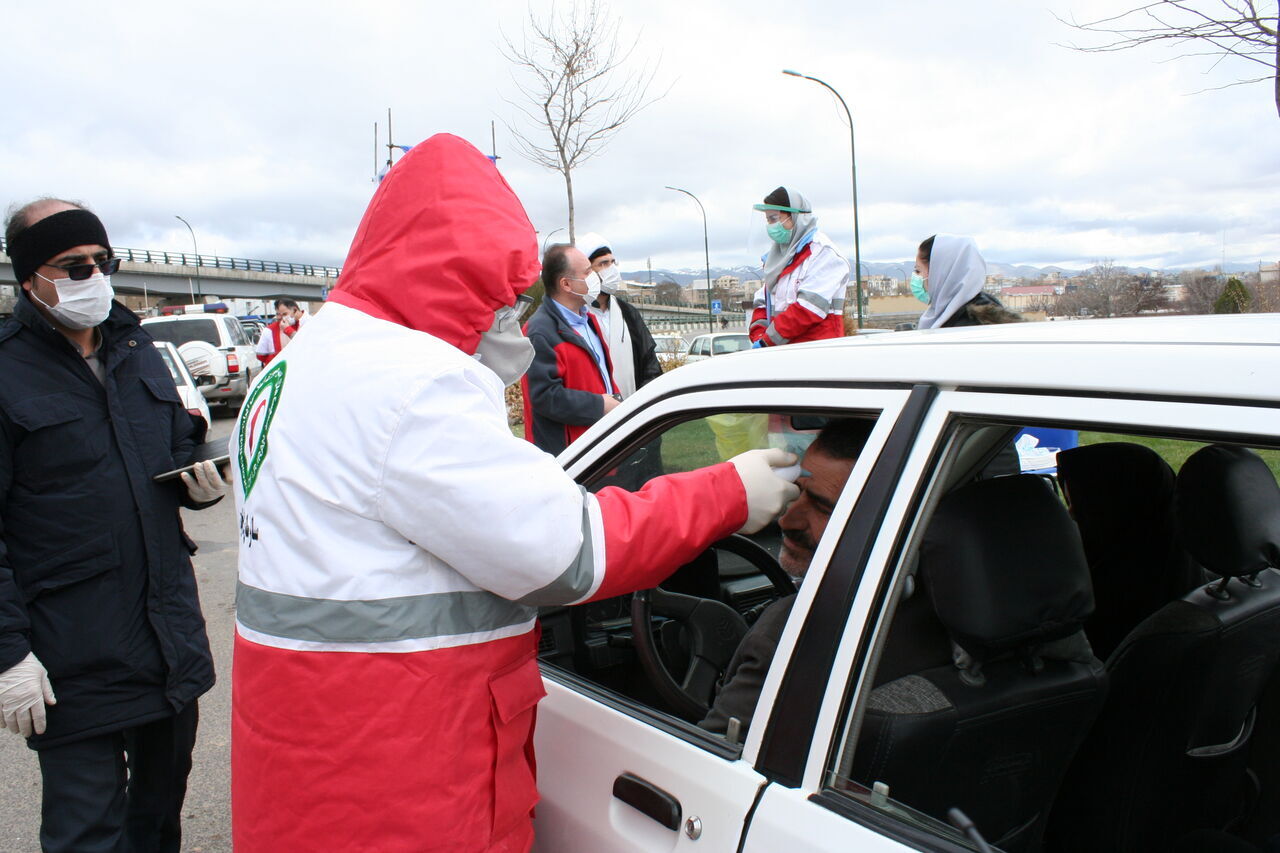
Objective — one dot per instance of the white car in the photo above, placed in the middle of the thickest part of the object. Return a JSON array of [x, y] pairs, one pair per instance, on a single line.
[[224, 333], [717, 343], [937, 654], [188, 386], [669, 348]]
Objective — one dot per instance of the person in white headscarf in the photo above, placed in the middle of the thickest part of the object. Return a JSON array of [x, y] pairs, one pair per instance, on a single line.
[[949, 275], [805, 277], [631, 346]]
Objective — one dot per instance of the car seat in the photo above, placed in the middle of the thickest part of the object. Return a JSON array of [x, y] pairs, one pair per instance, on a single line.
[[993, 732], [1168, 754], [1121, 497]]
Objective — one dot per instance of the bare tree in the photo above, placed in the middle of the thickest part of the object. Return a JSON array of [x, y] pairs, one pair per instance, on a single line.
[[1110, 291], [1245, 29], [574, 87], [1199, 292]]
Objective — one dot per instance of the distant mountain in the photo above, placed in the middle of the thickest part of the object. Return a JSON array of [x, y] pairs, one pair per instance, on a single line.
[[686, 277]]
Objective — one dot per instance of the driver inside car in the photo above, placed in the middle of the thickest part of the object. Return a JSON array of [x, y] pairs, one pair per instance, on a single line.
[[825, 468]]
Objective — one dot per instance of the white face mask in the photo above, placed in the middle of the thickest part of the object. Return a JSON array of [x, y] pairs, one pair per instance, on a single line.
[[610, 279], [593, 287], [504, 349], [81, 304]]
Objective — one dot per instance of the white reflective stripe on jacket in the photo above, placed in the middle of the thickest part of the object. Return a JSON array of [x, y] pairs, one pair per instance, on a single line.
[[407, 517], [819, 283]]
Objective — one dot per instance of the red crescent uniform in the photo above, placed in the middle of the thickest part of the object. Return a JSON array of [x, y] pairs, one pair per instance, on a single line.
[[808, 297], [396, 540]]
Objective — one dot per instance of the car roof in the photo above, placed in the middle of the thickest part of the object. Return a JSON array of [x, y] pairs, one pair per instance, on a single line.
[[1233, 356]]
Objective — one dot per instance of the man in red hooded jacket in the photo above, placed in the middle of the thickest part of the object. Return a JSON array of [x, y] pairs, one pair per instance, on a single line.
[[385, 682]]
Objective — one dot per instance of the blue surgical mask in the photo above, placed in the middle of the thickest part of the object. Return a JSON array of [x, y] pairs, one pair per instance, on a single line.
[[779, 233], [917, 289]]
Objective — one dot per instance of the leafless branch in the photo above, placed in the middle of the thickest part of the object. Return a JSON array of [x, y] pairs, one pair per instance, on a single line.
[[1234, 28], [575, 86]]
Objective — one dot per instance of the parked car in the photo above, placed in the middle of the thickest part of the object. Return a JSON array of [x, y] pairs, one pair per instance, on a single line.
[[718, 343], [253, 328], [223, 332], [669, 349], [189, 387], [933, 658]]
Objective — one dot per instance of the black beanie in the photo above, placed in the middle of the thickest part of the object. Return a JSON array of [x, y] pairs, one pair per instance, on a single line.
[[47, 237]]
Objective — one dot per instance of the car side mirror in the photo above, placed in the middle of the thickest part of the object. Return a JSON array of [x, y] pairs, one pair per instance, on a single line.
[[206, 379]]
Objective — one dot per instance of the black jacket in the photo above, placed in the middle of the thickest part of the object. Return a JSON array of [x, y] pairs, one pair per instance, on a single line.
[[95, 569], [982, 310], [644, 352]]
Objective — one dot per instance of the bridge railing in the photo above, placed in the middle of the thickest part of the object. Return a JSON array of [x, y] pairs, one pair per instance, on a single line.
[[149, 256]]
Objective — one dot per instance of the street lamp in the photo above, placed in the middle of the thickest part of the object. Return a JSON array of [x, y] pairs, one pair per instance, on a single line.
[[853, 161], [547, 239], [706, 247], [199, 289]]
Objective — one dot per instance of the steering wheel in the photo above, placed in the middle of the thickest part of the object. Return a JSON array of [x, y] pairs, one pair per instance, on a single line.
[[713, 629]]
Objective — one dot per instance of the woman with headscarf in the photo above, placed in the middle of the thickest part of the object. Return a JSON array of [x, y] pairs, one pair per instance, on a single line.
[[949, 275], [804, 276]]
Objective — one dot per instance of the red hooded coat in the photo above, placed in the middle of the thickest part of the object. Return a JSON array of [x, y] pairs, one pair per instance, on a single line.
[[396, 540]]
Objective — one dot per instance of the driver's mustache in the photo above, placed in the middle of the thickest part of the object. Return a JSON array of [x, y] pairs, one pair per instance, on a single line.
[[799, 537]]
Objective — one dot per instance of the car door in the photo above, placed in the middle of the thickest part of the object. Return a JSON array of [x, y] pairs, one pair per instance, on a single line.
[[617, 774], [812, 801]]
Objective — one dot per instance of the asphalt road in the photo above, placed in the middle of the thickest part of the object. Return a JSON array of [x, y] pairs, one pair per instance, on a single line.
[[207, 813]]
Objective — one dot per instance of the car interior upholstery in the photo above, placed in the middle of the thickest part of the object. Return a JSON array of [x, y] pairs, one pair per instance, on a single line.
[[993, 732], [1170, 752], [1080, 660]]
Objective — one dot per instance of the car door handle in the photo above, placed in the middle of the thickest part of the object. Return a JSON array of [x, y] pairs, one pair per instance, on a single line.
[[648, 799]]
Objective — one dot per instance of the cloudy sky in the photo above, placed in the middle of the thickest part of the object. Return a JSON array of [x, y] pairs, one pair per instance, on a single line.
[[254, 121]]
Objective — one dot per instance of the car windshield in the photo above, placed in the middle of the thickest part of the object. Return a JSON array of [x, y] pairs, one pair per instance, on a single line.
[[733, 343], [179, 332], [166, 355], [669, 345]]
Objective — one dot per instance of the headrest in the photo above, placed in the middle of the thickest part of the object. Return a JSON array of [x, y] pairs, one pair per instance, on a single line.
[[1227, 504], [1004, 566], [1120, 494]]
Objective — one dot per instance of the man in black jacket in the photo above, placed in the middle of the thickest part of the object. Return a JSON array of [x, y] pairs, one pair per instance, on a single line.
[[98, 601], [635, 356]]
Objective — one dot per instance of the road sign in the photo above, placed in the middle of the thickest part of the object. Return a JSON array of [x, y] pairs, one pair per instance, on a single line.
[[715, 306]]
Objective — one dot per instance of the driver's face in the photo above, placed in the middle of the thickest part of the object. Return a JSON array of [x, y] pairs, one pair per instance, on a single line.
[[806, 519]]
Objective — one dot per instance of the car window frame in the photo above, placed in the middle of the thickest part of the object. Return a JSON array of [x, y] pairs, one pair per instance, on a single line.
[[852, 673], [586, 457]]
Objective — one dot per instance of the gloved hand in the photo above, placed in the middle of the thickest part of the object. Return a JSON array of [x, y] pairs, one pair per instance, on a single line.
[[758, 344], [207, 484], [24, 691], [767, 493]]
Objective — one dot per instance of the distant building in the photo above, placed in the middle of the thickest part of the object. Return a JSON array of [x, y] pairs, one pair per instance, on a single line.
[[1269, 273], [1030, 297], [879, 285]]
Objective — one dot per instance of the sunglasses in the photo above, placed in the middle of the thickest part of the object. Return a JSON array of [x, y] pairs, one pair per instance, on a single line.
[[80, 272]]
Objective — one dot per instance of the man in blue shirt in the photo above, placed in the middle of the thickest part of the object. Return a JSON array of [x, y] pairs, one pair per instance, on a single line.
[[570, 384]]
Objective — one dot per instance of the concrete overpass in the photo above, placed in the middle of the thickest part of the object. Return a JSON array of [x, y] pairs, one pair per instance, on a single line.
[[181, 277]]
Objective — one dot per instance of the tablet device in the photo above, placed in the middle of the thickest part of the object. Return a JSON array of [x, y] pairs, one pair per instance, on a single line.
[[216, 451]]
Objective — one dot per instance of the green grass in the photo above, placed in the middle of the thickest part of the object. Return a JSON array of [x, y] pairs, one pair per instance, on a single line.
[[1172, 450]]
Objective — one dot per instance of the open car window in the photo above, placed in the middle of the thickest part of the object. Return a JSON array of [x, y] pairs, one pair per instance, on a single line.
[[1035, 561], [741, 579]]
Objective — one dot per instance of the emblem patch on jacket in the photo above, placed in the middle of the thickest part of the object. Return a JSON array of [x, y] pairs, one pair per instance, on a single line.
[[255, 422]]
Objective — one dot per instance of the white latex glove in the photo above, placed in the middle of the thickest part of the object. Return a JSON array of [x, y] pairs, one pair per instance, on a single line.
[[767, 493], [207, 484], [24, 691]]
